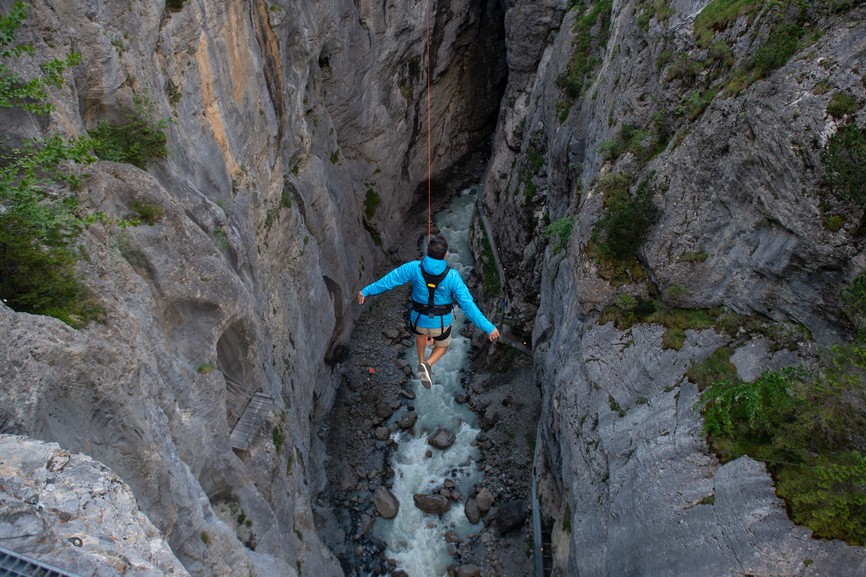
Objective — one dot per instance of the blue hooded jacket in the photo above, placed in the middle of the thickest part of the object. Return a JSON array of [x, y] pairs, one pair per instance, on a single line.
[[451, 289]]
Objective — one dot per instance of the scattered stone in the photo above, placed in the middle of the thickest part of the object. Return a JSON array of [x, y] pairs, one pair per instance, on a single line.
[[408, 420], [441, 438], [391, 334], [484, 498], [508, 516], [448, 484], [468, 571], [382, 433], [434, 504], [470, 509], [384, 410]]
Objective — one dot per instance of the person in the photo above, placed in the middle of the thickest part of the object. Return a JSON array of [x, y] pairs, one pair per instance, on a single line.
[[435, 287]]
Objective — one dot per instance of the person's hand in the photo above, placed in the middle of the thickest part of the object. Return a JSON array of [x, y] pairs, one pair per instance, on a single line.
[[360, 298], [493, 335]]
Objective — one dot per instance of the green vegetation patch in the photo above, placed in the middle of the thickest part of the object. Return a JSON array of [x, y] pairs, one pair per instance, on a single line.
[[489, 272], [559, 231], [626, 222], [39, 216], [139, 141], [844, 160], [809, 428], [627, 311], [842, 104], [717, 15], [644, 143], [594, 21], [372, 200]]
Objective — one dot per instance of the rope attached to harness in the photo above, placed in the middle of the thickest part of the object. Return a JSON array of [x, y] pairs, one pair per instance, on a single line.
[[429, 206]]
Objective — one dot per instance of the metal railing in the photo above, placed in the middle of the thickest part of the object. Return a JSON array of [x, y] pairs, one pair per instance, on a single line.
[[14, 564]]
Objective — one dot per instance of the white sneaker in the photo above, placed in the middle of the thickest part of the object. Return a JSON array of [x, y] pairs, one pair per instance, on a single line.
[[424, 375]]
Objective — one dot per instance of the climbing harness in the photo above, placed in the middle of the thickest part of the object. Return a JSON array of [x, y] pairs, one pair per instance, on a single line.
[[430, 308]]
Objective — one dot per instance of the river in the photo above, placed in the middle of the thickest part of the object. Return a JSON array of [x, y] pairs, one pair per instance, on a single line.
[[417, 540]]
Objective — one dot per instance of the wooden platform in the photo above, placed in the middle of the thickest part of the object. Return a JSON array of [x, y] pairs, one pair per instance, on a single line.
[[250, 422]]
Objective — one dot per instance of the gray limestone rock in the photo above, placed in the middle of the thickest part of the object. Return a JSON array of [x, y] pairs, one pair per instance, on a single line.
[[432, 503], [441, 438], [484, 499], [74, 513], [386, 503]]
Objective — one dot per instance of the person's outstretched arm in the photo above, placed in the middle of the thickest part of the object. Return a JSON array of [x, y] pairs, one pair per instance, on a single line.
[[470, 309], [399, 276]]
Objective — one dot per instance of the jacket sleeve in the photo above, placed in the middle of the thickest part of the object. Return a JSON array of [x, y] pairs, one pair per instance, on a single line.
[[467, 303], [398, 276]]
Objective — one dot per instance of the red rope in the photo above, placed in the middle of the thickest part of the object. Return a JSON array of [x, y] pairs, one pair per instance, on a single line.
[[429, 208]]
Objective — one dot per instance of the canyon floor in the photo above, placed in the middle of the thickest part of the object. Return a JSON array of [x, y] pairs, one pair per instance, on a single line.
[[499, 386]]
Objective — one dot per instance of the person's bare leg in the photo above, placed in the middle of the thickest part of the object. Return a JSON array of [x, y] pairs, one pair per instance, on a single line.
[[436, 355], [420, 345]]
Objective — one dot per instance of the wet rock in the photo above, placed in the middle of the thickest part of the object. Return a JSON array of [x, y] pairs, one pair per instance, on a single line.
[[507, 516], [434, 504], [461, 398], [470, 509], [441, 438], [407, 394], [382, 433], [484, 498], [387, 505], [408, 420], [384, 410], [468, 571]]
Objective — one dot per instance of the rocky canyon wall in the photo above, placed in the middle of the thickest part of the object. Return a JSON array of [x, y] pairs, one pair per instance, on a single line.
[[629, 484], [296, 140]]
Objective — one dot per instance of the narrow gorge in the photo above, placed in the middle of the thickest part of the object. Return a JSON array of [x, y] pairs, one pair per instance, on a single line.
[[668, 216]]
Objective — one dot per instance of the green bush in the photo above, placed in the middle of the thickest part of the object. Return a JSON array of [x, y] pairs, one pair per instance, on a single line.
[[842, 104], [39, 219], [809, 428], [560, 231], [625, 224], [718, 15], [693, 104], [581, 63], [372, 200], [782, 43], [139, 141], [844, 160], [148, 212], [829, 498]]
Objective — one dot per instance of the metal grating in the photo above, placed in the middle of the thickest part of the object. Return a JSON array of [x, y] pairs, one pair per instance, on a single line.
[[249, 423], [16, 565]]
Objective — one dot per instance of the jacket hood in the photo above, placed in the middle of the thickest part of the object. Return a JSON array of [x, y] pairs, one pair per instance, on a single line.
[[433, 265]]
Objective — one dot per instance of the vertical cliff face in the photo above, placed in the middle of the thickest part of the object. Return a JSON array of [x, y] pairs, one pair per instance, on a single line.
[[630, 96], [296, 137]]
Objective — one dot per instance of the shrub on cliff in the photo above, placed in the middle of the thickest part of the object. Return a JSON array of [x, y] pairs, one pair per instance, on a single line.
[[810, 429], [38, 215]]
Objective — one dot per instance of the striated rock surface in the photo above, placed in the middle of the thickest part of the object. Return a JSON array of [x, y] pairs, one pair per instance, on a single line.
[[626, 478], [74, 513], [296, 139]]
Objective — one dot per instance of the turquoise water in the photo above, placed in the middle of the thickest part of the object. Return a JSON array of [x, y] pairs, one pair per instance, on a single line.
[[416, 540]]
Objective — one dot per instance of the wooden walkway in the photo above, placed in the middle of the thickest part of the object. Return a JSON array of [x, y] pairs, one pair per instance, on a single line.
[[250, 422]]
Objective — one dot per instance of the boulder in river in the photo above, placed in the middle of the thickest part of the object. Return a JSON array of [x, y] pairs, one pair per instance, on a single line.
[[441, 438], [434, 504], [470, 509], [468, 571], [386, 503], [484, 498]]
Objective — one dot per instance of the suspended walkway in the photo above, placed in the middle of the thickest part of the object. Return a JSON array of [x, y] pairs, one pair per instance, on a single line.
[[16, 565]]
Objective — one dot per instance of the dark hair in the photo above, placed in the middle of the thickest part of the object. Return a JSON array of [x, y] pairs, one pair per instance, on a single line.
[[437, 246]]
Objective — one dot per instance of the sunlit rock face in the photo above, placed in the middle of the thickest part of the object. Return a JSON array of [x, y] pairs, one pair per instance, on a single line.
[[296, 142], [629, 486]]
